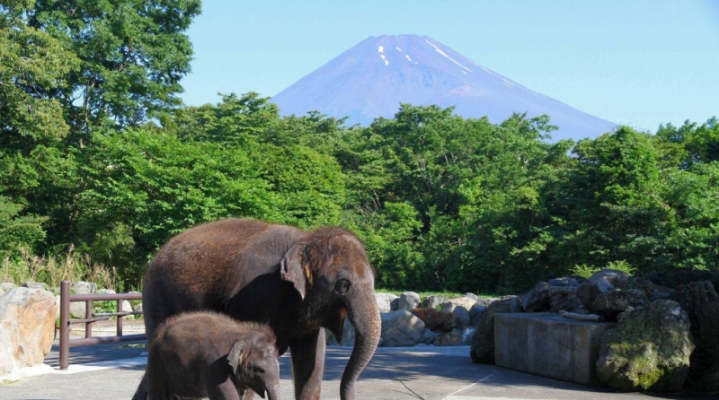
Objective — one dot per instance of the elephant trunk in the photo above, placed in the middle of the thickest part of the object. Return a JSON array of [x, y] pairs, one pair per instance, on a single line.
[[364, 317], [273, 393]]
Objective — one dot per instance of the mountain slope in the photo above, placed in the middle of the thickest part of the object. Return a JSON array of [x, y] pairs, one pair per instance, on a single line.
[[372, 78]]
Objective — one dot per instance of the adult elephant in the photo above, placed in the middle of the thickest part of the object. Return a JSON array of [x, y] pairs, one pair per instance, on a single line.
[[293, 280]]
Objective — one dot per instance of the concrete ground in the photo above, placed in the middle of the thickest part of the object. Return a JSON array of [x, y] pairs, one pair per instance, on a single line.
[[112, 372]]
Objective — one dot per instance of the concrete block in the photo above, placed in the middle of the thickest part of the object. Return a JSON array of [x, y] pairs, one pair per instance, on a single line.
[[549, 345]]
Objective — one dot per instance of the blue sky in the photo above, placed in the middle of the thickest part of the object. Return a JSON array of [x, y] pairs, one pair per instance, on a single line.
[[634, 62]]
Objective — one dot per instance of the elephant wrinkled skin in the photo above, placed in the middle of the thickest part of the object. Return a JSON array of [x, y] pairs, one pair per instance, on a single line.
[[295, 281]]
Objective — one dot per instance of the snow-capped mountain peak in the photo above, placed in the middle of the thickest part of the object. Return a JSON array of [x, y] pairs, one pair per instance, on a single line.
[[372, 78]]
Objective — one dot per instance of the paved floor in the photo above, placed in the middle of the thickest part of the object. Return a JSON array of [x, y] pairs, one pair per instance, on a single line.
[[111, 372]]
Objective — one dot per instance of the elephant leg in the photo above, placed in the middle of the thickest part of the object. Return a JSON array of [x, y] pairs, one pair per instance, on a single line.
[[308, 364], [225, 391]]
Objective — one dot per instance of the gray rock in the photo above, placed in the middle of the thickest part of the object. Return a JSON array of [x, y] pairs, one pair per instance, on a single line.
[[613, 303], [394, 304], [6, 287], [451, 304], [137, 308], [564, 282], [83, 288], [434, 320], [36, 285], [427, 337], [603, 281], [25, 344], [563, 298], [471, 296], [409, 301], [661, 295], [475, 315], [701, 303], [482, 350], [78, 309], [485, 301], [461, 318], [453, 338], [433, 301], [649, 349], [537, 298], [126, 306], [384, 301], [401, 328], [106, 291]]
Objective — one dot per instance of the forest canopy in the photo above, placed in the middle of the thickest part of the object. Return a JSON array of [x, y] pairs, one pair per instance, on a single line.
[[99, 157]]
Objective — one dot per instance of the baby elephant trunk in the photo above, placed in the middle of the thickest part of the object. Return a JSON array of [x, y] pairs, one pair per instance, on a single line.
[[273, 392]]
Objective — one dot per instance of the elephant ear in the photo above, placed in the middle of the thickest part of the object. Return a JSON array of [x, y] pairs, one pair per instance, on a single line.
[[238, 353], [293, 268]]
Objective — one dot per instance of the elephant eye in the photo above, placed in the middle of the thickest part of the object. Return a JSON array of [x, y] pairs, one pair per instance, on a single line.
[[342, 286], [258, 370]]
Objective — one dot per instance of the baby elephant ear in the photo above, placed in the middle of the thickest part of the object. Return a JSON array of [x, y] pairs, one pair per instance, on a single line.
[[293, 268], [237, 355]]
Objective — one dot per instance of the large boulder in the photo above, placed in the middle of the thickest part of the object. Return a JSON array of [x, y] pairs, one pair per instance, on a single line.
[[434, 320], [461, 318], [613, 303], [482, 350], [485, 301], [401, 328], [428, 337], [409, 301], [6, 287], [537, 298], [476, 313], [84, 288], [700, 301], [564, 282], [603, 281], [648, 350], [35, 285], [564, 298], [78, 309], [433, 301], [384, 301], [453, 338], [451, 304], [27, 328]]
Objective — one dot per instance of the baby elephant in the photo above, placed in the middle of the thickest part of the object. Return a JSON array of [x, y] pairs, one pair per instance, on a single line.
[[203, 354]]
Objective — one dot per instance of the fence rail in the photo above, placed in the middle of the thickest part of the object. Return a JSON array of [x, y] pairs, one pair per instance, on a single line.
[[90, 318]]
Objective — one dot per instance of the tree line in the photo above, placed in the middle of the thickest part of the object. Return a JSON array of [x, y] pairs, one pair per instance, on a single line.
[[97, 154]]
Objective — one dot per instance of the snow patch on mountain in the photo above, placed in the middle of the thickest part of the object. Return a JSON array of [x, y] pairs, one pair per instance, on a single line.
[[446, 56]]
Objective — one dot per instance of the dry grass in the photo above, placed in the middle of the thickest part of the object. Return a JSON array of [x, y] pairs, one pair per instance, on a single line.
[[71, 265]]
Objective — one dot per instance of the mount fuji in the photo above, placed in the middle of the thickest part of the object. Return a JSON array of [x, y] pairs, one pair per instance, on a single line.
[[372, 78]]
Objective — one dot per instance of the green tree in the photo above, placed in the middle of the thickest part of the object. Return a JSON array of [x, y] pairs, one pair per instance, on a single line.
[[133, 54], [18, 232], [611, 204], [34, 166], [144, 187]]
